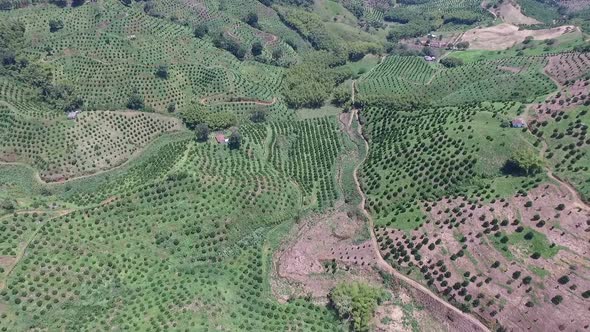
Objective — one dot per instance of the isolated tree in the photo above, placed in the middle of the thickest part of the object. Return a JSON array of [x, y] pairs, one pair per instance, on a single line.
[[277, 54], [462, 45], [524, 161], [55, 25], [356, 302], [451, 62], [428, 51], [202, 132], [256, 48], [235, 140], [201, 30], [162, 72], [135, 101], [171, 108], [7, 205], [252, 19], [258, 116]]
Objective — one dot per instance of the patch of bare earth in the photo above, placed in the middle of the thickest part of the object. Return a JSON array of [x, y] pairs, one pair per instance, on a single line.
[[302, 267], [319, 242], [567, 67], [567, 98], [574, 5], [509, 69], [6, 261], [506, 35], [514, 288], [509, 12]]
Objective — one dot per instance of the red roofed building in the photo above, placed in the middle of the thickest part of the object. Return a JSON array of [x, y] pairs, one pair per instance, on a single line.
[[220, 138]]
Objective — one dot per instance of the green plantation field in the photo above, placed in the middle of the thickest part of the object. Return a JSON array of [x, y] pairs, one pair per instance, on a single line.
[[108, 51], [291, 165], [428, 154], [411, 80], [566, 141], [63, 149], [157, 246]]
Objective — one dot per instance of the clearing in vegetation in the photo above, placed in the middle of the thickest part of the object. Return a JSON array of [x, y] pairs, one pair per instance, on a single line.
[[505, 36]]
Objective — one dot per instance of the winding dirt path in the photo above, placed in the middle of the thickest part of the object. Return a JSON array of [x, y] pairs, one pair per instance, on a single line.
[[475, 324], [205, 101], [577, 198]]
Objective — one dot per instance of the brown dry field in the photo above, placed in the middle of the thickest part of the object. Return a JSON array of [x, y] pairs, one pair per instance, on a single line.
[[510, 12], [568, 97], [323, 239], [575, 5], [298, 270], [505, 35], [567, 67], [503, 296]]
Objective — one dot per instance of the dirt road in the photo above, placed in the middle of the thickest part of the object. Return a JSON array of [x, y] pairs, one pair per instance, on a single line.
[[475, 325], [577, 198]]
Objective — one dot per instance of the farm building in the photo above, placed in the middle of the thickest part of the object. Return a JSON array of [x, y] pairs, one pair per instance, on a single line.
[[220, 138], [518, 123], [429, 58]]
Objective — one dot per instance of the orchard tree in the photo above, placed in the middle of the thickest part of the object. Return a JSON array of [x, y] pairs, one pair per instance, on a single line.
[[202, 132], [55, 25], [162, 72], [235, 140], [256, 48]]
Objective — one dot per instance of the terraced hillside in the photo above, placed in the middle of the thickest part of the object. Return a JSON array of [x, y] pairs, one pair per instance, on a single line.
[[292, 165], [158, 247], [108, 51], [411, 80]]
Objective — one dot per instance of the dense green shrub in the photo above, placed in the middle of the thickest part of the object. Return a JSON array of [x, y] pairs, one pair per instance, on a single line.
[[356, 302]]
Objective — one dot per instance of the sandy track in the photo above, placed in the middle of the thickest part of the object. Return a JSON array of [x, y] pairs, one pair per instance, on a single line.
[[451, 312]]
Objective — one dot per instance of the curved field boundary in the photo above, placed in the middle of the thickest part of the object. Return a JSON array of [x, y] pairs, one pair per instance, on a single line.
[[205, 101], [451, 312]]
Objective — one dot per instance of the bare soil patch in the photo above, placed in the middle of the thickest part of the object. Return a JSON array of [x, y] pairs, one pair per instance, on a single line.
[[303, 267], [7, 261], [510, 12], [505, 35], [321, 241], [567, 98], [567, 67], [514, 70], [462, 253]]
